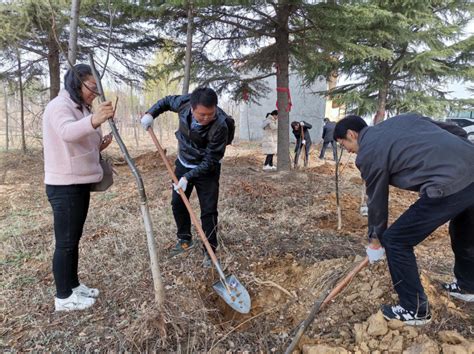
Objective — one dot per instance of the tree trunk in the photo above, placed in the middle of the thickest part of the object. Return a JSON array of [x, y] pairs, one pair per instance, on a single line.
[[133, 117], [282, 78], [383, 93], [189, 48], [5, 95], [73, 23], [54, 66], [22, 110]]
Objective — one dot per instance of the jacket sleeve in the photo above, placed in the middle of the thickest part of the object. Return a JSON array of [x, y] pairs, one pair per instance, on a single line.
[[266, 123], [377, 189], [450, 127], [214, 153], [324, 131], [307, 125], [67, 127], [168, 103]]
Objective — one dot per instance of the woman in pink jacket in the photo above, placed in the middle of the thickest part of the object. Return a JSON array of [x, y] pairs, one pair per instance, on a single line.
[[72, 140]]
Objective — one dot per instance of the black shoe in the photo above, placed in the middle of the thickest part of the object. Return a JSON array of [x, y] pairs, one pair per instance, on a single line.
[[409, 317], [181, 247], [455, 291]]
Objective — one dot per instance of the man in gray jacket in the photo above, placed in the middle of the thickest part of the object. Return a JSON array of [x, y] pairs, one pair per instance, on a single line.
[[328, 138], [415, 153]]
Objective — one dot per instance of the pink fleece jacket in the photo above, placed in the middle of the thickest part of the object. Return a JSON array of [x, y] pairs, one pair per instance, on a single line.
[[70, 142]]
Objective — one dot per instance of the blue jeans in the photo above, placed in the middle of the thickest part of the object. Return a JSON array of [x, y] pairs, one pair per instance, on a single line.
[[70, 205], [416, 224]]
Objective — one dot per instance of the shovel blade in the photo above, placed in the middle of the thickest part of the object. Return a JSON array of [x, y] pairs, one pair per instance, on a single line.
[[235, 294]]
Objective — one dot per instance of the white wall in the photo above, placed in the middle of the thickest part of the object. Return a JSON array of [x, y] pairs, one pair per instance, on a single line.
[[306, 106]]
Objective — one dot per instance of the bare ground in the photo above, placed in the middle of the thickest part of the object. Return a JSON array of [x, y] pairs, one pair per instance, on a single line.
[[277, 234]]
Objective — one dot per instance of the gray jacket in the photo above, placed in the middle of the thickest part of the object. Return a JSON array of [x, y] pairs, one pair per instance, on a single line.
[[414, 153], [328, 132]]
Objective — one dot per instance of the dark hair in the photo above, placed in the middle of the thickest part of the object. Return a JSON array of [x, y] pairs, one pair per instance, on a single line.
[[204, 96], [326, 120], [351, 122], [73, 81], [294, 124], [272, 113]]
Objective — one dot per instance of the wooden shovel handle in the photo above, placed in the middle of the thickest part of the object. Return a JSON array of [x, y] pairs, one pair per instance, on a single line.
[[347, 279], [194, 219]]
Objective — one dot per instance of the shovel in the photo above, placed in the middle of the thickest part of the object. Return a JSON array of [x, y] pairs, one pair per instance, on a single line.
[[229, 288]]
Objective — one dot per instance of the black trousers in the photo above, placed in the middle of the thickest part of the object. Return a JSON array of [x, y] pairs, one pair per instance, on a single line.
[[269, 160], [416, 224], [207, 188], [70, 205], [302, 148], [334, 149]]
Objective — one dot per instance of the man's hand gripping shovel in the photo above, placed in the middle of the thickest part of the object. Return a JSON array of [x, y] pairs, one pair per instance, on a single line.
[[229, 288]]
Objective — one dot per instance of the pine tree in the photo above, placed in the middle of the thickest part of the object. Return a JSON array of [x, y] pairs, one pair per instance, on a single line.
[[399, 54], [238, 45]]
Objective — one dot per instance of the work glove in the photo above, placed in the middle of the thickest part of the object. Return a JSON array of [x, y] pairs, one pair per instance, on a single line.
[[364, 210], [375, 254], [182, 183], [302, 124], [303, 142], [147, 121]]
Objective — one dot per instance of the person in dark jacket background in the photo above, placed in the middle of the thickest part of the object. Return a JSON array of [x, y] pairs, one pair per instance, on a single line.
[[298, 128], [202, 139], [415, 153], [328, 138]]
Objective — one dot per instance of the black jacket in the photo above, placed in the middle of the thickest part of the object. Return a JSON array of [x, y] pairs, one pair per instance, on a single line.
[[307, 137], [204, 146], [328, 132], [414, 153]]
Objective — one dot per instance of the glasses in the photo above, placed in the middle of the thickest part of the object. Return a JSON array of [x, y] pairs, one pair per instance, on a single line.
[[91, 87]]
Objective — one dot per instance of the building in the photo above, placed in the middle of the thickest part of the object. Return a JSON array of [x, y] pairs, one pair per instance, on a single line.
[[307, 105]]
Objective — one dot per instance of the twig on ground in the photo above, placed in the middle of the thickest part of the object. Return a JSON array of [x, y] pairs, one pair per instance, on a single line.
[[240, 325], [272, 283]]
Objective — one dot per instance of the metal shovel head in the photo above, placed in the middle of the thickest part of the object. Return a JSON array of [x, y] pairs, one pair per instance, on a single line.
[[234, 294]]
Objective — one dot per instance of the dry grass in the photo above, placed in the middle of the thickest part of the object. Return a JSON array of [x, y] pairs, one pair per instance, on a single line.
[[277, 234]]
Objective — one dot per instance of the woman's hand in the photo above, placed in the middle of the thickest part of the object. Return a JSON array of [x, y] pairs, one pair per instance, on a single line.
[[106, 140], [104, 111]]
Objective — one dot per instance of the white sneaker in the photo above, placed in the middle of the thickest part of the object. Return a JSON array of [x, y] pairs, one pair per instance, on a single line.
[[73, 302], [267, 168], [274, 168], [85, 291]]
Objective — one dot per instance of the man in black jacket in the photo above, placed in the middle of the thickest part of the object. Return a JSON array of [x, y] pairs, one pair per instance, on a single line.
[[202, 139], [415, 153], [328, 138], [303, 140]]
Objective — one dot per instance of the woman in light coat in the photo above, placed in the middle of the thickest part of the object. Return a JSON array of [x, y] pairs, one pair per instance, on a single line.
[[270, 139], [72, 140]]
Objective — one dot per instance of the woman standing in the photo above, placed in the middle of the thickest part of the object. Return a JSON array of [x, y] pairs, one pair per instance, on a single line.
[[270, 138], [72, 140]]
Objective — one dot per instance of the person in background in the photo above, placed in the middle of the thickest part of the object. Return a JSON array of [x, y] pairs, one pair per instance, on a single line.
[[270, 139], [439, 164], [328, 138], [202, 139], [303, 140], [72, 141]]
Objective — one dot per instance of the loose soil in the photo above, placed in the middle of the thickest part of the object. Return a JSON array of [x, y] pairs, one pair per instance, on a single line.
[[277, 232]]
